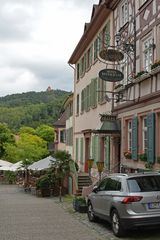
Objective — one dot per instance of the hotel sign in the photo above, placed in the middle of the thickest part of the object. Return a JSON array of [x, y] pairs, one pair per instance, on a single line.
[[111, 75], [111, 55]]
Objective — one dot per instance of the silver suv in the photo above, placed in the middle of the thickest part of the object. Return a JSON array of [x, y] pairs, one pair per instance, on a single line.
[[126, 201]]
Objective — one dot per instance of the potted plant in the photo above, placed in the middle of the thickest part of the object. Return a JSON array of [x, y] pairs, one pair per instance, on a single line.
[[139, 74], [128, 154], [143, 157], [155, 64], [43, 184], [10, 177], [79, 204]]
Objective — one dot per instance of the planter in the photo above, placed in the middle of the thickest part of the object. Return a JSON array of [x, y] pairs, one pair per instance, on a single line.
[[82, 209], [45, 192], [79, 204], [141, 78], [155, 70]]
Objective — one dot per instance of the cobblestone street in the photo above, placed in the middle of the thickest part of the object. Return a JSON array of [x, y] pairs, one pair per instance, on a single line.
[[27, 217]]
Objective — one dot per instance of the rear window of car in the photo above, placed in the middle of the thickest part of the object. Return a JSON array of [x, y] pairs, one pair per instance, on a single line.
[[144, 184]]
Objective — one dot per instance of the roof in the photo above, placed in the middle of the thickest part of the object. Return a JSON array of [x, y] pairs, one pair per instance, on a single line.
[[61, 122], [99, 14]]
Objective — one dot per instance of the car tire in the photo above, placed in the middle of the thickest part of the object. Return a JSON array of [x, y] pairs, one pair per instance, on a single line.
[[90, 213], [117, 227]]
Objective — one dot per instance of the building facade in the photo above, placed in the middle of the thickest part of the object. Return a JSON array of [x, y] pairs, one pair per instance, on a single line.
[[93, 136], [138, 24]]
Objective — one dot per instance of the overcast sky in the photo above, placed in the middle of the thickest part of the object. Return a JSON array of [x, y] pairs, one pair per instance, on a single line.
[[37, 38]]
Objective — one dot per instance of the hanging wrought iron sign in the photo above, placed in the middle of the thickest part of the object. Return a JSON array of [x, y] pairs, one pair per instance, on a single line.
[[111, 75], [111, 55]]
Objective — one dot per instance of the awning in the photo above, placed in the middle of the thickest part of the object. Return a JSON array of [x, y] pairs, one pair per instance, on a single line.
[[109, 127]]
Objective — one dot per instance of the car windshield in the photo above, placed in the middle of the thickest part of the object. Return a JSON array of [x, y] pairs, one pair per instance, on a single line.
[[144, 184]]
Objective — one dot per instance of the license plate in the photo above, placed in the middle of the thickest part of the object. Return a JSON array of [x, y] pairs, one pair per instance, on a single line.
[[154, 205]]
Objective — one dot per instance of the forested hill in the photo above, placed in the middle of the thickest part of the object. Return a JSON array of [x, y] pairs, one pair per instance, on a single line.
[[31, 108]]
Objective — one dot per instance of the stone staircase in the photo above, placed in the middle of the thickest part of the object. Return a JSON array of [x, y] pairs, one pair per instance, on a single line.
[[83, 181]]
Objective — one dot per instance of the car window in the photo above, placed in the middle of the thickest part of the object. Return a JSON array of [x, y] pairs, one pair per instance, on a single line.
[[102, 185], [144, 184], [113, 185]]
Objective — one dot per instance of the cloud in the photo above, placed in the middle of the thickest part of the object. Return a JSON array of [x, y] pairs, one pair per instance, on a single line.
[[37, 38]]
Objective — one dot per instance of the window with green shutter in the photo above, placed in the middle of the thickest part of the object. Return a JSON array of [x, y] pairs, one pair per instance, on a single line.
[[93, 92], [101, 90], [151, 137], [135, 138]]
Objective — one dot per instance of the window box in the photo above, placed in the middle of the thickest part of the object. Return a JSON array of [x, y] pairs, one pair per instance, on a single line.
[[155, 67], [119, 88], [140, 76], [143, 157]]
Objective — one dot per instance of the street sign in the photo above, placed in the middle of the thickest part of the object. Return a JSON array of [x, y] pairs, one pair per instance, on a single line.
[[111, 55], [111, 75]]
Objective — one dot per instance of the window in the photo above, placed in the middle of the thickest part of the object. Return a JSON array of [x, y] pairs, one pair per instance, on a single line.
[[148, 53], [144, 135], [77, 109], [95, 49], [142, 2], [78, 71], [130, 135], [144, 184], [104, 37], [101, 90], [110, 184], [82, 101], [124, 14], [62, 136], [89, 57], [158, 42]]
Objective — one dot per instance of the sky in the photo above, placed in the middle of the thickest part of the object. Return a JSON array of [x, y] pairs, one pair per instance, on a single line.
[[37, 38]]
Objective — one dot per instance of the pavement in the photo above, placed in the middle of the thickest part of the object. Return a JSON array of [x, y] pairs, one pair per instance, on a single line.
[[26, 217]]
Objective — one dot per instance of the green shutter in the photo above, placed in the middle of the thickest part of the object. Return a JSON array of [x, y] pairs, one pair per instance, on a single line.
[[107, 33], [81, 150], [99, 89], [95, 92], [135, 138], [92, 92], [107, 152], [91, 55], [77, 148], [151, 137], [97, 148], [85, 62]]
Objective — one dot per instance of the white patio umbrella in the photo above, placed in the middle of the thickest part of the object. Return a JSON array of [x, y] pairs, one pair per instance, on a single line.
[[42, 164], [16, 166], [5, 168], [5, 163]]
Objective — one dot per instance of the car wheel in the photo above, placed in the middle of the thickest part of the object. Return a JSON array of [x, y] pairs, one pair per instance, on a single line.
[[91, 216], [117, 228]]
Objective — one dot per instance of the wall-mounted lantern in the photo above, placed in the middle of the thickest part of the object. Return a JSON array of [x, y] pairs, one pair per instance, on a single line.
[[100, 167], [90, 162]]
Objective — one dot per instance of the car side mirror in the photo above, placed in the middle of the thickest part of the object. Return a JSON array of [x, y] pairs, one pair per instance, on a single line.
[[95, 189]]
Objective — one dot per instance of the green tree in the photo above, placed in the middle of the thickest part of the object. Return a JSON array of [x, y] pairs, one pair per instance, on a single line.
[[29, 147], [6, 136], [46, 132], [61, 167], [29, 130]]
